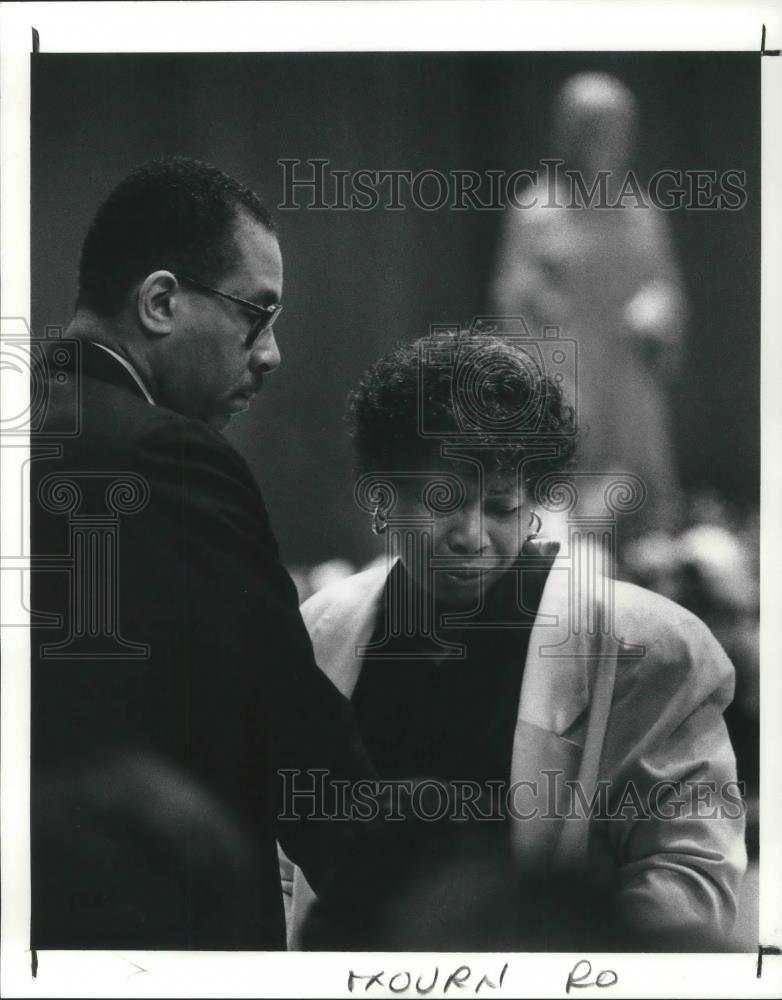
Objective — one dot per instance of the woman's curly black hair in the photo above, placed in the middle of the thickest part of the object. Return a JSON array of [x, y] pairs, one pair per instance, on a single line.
[[461, 387]]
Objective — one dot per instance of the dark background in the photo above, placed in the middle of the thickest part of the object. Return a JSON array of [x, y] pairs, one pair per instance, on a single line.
[[358, 281]]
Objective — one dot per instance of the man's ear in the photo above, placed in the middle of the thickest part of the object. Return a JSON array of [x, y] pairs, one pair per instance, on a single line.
[[156, 302]]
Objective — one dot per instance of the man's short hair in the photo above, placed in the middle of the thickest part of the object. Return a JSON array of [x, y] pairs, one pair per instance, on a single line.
[[175, 213]]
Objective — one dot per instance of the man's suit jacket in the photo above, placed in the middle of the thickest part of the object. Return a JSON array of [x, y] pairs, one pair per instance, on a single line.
[[636, 714], [157, 722]]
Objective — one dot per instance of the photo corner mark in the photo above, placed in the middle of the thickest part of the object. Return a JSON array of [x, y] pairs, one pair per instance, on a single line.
[[763, 50], [766, 949]]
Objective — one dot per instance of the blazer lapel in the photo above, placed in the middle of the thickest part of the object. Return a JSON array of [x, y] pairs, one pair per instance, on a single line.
[[338, 644], [554, 689], [554, 694]]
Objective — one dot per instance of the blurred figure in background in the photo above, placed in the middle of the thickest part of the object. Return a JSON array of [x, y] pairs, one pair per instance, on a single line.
[[711, 567], [608, 278]]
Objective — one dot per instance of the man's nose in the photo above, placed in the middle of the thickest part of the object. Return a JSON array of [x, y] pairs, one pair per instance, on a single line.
[[265, 355], [466, 533]]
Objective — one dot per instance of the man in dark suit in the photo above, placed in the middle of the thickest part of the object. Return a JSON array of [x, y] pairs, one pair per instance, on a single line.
[[174, 640]]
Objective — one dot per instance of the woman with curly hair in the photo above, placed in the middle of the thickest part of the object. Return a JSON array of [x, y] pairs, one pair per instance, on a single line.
[[565, 750]]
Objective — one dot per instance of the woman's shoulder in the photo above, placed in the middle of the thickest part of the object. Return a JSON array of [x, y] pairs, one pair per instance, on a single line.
[[672, 639], [345, 597], [650, 615]]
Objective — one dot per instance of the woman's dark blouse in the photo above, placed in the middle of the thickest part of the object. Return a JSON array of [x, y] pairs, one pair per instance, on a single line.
[[446, 718]]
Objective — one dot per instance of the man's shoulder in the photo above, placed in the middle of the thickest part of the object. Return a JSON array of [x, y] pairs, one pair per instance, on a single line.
[[189, 441], [118, 428], [186, 464], [95, 420]]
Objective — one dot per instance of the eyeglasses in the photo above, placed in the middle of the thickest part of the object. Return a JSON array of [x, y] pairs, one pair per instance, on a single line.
[[267, 315]]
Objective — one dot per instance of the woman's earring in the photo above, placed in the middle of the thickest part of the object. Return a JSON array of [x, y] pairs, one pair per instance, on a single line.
[[379, 521], [535, 523]]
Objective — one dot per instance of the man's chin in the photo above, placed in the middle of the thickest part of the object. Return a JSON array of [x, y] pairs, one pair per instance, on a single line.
[[221, 419]]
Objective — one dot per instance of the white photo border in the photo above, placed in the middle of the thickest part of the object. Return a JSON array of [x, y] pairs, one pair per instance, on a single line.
[[420, 25]]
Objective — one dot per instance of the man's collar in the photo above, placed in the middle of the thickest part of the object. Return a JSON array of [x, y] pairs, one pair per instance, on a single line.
[[129, 368]]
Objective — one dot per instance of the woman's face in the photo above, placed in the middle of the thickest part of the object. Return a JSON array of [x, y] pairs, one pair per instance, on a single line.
[[474, 523]]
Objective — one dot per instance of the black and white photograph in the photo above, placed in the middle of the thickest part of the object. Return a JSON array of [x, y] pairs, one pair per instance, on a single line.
[[388, 591]]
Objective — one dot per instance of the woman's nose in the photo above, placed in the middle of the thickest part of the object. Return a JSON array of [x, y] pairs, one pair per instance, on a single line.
[[466, 532]]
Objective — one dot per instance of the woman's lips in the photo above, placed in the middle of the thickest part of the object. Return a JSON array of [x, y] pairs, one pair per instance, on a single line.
[[465, 576]]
